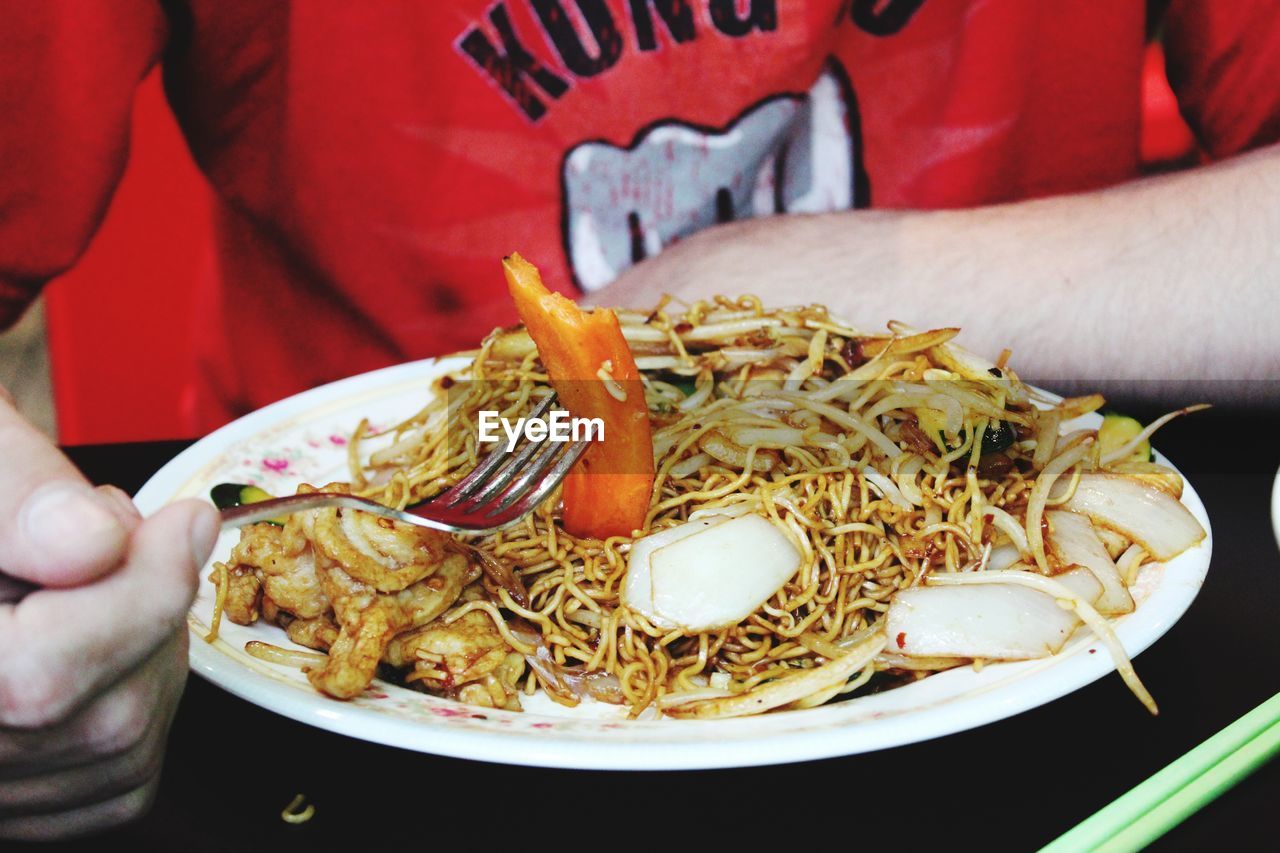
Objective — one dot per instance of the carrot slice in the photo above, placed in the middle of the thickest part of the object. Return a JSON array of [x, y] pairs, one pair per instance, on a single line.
[[607, 493]]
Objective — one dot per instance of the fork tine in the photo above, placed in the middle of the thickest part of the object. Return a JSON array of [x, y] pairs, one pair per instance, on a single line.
[[497, 484], [479, 475], [496, 481], [551, 462], [517, 506], [538, 466]]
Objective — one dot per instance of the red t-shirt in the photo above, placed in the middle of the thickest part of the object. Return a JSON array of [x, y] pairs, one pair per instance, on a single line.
[[373, 161]]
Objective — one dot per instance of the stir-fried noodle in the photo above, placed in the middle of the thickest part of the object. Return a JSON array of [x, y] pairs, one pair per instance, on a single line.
[[789, 413], [885, 461]]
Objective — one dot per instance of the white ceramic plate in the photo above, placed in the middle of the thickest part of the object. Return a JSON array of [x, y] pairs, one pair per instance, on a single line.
[[1275, 507], [304, 439]]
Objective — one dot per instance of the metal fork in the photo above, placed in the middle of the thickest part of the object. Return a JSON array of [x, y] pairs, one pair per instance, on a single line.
[[501, 490]]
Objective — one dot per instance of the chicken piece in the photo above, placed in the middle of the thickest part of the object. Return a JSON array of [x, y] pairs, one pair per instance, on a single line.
[[367, 621], [498, 689], [244, 592], [286, 559], [257, 543], [289, 575], [348, 582], [272, 614], [353, 657], [319, 633], [244, 585], [466, 659], [387, 555]]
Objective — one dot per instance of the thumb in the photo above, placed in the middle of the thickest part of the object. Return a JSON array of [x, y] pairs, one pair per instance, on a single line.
[[55, 529]]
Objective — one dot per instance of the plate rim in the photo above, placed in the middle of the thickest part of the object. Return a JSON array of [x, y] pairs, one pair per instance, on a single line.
[[1275, 507], [815, 735]]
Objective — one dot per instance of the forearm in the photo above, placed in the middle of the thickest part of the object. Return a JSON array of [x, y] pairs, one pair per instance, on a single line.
[[1153, 283]]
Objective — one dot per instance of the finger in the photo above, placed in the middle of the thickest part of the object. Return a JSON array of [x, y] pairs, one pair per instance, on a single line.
[[81, 821], [110, 726], [83, 785], [64, 646], [126, 511], [55, 530]]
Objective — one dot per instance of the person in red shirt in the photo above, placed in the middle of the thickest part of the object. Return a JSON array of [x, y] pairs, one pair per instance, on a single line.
[[940, 161]]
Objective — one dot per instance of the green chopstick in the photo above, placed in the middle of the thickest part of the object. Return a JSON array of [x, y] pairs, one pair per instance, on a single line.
[[1162, 802]]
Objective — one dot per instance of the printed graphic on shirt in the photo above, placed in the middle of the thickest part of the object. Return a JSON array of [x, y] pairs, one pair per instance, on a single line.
[[790, 153], [530, 85]]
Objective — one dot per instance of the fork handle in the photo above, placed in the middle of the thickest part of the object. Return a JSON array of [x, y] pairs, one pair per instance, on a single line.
[[239, 516]]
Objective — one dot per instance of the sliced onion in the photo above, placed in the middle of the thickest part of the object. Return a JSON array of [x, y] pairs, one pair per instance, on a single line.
[[735, 506], [811, 365], [717, 576], [1073, 542], [1152, 473], [1082, 582], [1143, 513], [729, 330], [660, 362], [1083, 609], [1069, 438], [1011, 527], [731, 358], [600, 686], [689, 465], [906, 480], [784, 691], [844, 388], [1114, 542], [501, 574], [842, 418], [890, 660], [949, 407], [777, 438], [565, 685], [961, 361], [976, 403], [885, 487], [1130, 562], [637, 586], [1041, 492], [684, 697], [999, 622], [721, 448], [1003, 556]]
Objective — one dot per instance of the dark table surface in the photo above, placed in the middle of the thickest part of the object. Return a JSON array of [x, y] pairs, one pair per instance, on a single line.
[[1015, 784]]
